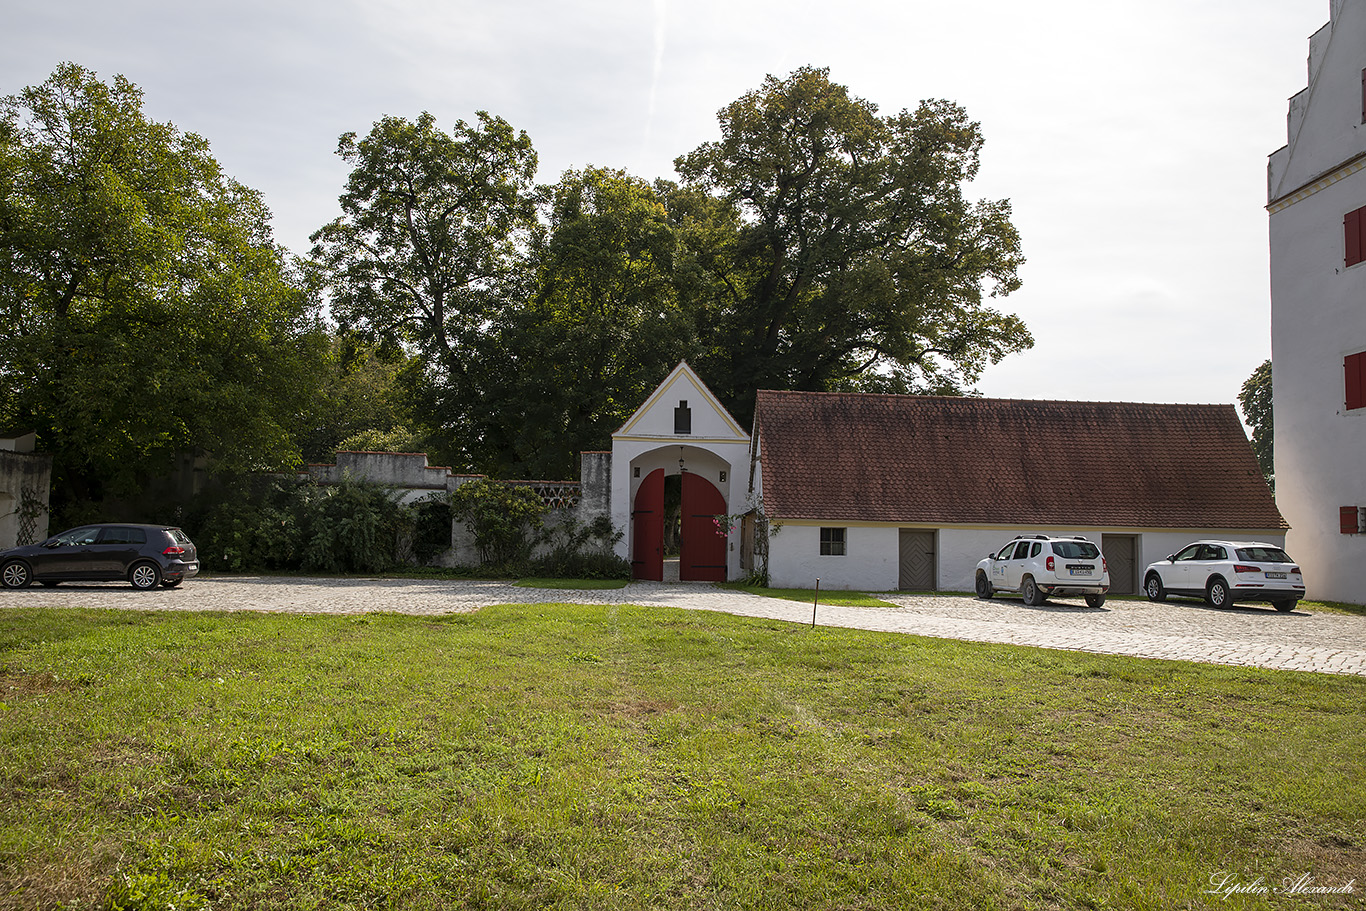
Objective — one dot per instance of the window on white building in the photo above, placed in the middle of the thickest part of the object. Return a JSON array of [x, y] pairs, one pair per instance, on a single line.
[[1354, 249], [1354, 379], [832, 542]]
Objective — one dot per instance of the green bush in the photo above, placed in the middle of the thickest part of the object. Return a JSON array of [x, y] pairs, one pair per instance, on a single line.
[[580, 551], [503, 518], [276, 523]]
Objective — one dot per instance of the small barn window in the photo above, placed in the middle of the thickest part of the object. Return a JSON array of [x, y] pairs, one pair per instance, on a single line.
[[682, 417], [832, 542]]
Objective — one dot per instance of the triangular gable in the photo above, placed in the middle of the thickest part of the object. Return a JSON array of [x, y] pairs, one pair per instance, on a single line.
[[709, 419], [1321, 133]]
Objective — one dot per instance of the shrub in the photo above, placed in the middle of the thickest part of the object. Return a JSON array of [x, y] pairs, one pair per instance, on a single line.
[[581, 551], [276, 523], [503, 519]]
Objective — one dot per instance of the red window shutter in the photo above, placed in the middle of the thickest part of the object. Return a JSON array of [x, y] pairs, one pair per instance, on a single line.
[[1353, 375], [1351, 232], [1347, 517]]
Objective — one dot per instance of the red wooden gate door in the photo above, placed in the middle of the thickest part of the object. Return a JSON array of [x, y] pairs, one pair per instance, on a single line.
[[702, 552], [647, 539]]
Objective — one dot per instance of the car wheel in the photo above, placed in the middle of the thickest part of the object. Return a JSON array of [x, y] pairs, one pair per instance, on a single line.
[[1152, 587], [171, 583], [1216, 593], [1095, 600], [16, 574], [984, 589], [1033, 595], [145, 576], [1285, 607]]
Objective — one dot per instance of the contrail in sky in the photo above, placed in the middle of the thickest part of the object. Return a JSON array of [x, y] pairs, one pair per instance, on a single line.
[[661, 21]]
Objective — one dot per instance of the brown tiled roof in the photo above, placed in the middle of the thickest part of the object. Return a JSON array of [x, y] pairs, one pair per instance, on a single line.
[[903, 458]]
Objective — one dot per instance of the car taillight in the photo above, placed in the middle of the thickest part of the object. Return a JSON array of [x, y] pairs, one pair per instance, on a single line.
[[1049, 564], [1296, 570], [1244, 568], [1104, 567], [173, 551]]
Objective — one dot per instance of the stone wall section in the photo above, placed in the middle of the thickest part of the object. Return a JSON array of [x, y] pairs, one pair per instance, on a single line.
[[582, 500]]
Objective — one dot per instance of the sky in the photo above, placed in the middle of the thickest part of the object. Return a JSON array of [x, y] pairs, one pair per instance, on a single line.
[[1130, 137]]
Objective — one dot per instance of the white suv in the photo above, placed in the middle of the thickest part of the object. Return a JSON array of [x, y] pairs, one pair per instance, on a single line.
[[1039, 565], [1224, 572]]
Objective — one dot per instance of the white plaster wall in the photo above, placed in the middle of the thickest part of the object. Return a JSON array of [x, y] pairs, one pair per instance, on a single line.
[[1317, 319], [873, 559], [1317, 316], [871, 562]]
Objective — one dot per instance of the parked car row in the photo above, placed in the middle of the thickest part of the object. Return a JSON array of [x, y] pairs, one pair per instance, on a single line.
[[1220, 572], [146, 556]]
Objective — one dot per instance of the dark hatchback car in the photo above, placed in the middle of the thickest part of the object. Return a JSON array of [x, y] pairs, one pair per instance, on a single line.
[[145, 555]]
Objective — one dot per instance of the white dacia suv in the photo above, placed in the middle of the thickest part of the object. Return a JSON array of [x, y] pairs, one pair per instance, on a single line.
[[1037, 566]]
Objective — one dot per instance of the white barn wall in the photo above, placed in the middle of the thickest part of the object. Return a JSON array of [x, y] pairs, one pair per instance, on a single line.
[[872, 562]]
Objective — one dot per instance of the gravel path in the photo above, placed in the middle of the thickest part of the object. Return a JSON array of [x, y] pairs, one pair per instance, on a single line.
[[1252, 635]]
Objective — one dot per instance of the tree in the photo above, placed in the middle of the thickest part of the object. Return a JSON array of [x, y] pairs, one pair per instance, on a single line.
[[1255, 400], [147, 312], [603, 326], [364, 401], [431, 243], [857, 258]]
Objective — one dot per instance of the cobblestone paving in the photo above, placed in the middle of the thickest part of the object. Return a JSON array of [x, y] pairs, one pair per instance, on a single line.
[[1250, 635]]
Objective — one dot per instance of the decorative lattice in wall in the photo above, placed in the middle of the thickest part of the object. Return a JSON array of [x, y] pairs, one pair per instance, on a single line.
[[554, 494]]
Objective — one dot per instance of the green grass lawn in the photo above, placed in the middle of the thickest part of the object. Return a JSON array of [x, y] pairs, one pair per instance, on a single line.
[[566, 756], [573, 584], [809, 595]]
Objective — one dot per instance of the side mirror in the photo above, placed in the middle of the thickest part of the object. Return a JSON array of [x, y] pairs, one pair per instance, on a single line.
[[1171, 558]]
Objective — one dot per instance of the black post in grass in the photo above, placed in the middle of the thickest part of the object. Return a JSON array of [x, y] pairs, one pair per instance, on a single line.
[[813, 603]]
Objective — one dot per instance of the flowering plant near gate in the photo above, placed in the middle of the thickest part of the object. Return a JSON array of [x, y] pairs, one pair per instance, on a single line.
[[725, 524]]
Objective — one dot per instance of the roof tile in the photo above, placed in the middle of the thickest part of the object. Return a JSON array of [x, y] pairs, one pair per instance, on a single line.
[[897, 458]]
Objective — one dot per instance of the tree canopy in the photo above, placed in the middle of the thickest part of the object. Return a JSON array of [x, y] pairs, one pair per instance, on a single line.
[[430, 245], [147, 311], [1256, 401], [856, 259], [816, 245]]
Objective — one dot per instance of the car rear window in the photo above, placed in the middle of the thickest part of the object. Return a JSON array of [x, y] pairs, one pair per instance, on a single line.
[[1264, 554], [179, 536], [1076, 550], [119, 535]]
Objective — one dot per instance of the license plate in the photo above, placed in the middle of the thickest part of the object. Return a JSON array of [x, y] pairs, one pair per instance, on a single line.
[[1079, 572], [1275, 575]]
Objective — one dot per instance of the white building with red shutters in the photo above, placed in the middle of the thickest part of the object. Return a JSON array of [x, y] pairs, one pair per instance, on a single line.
[[1316, 194]]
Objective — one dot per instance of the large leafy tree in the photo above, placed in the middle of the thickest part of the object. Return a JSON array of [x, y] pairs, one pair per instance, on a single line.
[[146, 311], [858, 261], [603, 325], [1256, 401], [430, 246]]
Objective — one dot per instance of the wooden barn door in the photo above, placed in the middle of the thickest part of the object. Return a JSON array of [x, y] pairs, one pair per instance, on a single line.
[[647, 537], [917, 560], [1119, 554], [702, 552]]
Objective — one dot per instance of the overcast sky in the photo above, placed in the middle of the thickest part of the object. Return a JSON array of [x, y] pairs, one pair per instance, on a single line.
[[1130, 137]]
